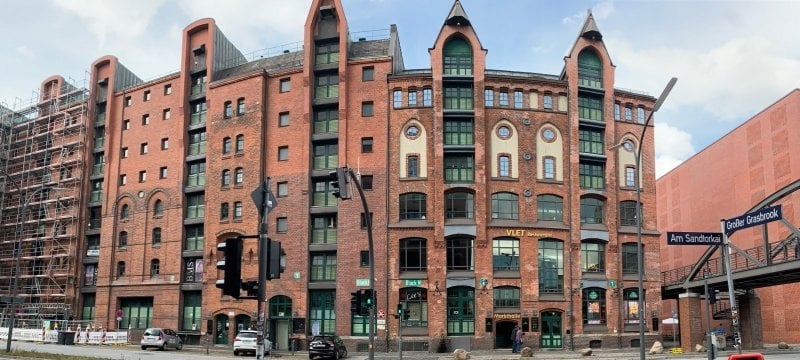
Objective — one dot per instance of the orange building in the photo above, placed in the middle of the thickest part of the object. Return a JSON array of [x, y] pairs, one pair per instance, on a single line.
[[498, 197], [726, 180]]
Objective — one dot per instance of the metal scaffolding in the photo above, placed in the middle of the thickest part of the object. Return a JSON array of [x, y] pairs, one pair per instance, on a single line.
[[42, 148]]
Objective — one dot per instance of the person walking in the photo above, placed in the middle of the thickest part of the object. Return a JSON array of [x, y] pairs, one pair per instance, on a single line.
[[514, 344], [518, 339]]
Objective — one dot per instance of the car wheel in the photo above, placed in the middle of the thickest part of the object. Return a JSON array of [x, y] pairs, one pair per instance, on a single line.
[[144, 347], [336, 355], [235, 352], [164, 347], [344, 353], [180, 346]]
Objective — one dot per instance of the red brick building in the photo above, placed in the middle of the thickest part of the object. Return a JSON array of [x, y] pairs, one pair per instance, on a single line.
[[726, 180], [497, 197]]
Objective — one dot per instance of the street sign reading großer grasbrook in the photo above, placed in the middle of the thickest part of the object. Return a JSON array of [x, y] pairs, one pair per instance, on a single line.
[[758, 217], [694, 238]]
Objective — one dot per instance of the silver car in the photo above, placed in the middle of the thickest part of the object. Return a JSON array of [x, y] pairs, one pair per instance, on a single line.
[[245, 341], [161, 339]]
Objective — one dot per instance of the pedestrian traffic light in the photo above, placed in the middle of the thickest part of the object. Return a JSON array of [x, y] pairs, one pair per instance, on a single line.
[[338, 183], [367, 301], [355, 302], [406, 314], [231, 264], [275, 259], [399, 310]]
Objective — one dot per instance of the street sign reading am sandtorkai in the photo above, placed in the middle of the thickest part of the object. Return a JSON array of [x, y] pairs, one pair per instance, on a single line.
[[694, 238]]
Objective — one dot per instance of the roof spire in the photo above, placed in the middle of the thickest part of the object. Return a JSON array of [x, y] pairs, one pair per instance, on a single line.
[[590, 30], [457, 15]]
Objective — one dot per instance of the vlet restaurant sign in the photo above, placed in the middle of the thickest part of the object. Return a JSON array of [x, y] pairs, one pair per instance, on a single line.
[[527, 233]]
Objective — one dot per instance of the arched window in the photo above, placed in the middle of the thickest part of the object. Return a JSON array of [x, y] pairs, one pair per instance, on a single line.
[[223, 211], [457, 55], [226, 178], [226, 146], [158, 208], [239, 179], [594, 306], [124, 212], [239, 143], [156, 236], [592, 210], [240, 106], [237, 210], [505, 205], [590, 69], [413, 206], [459, 205], [123, 239], [550, 208], [120, 269], [155, 268], [228, 109]]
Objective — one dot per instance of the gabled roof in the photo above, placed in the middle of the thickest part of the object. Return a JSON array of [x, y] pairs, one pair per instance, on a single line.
[[590, 30], [457, 15]]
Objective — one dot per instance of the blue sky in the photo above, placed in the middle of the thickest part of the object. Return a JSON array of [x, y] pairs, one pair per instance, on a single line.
[[732, 59]]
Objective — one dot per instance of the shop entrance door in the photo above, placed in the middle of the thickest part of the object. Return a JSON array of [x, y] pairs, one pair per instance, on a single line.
[[502, 334], [551, 330]]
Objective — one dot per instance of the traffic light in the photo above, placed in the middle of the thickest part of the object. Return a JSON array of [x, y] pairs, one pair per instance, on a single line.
[[367, 301], [406, 314], [339, 183], [712, 296], [232, 265], [355, 302], [399, 311], [274, 257]]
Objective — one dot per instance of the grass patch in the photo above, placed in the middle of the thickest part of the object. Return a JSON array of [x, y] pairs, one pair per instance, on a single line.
[[25, 354]]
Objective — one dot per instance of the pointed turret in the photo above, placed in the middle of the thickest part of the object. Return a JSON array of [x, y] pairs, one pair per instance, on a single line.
[[457, 16], [590, 30]]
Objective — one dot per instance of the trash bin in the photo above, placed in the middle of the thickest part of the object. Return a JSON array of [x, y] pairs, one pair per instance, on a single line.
[[69, 337], [61, 338]]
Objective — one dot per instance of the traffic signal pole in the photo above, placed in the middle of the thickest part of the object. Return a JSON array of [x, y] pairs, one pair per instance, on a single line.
[[263, 256], [368, 219]]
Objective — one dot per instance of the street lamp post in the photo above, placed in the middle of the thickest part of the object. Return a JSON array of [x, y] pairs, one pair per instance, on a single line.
[[639, 253]]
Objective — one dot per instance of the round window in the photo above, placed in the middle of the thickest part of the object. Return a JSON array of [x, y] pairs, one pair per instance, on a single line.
[[412, 131], [628, 145], [548, 134], [504, 132]]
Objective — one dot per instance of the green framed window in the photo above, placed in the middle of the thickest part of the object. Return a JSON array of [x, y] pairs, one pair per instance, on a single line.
[[323, 267], [594, 306], [87, 310], [197, 143], [195, 206], [459, 132], [199, 83], [551, 266], [323, 194], [593, 256], [196, 176], [416, 300], [592, 175], [505, 254], [630, 297], [460, 310], [459, 168], [458, 98], [506, 297], [197, 112], [137, 313], [280, 307], [323, 229], [327, 53], [326, 121], [591, 141], [590, 70], [326, 156], [457, 54], [192, 315], [322, 311], [590, 108], [195, 237], [326, 86]]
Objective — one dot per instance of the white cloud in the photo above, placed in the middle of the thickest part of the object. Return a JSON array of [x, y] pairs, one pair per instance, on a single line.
[[25, 51], [600, 11], [119, 19], [673, 146]]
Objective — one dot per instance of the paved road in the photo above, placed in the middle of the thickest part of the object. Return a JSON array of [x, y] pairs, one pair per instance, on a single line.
[[189, 352]]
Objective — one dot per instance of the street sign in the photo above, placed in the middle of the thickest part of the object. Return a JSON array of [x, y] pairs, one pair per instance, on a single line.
[[758, 217], [258, 197], [381, 314], [694, 238]]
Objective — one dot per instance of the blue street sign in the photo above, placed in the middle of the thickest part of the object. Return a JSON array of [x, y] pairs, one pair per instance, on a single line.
[[694, 238], [758, 217]]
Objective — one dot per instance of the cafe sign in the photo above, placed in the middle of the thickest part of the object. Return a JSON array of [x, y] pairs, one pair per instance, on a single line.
[[509, 316]]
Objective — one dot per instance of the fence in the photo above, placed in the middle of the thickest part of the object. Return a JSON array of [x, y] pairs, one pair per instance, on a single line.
[[87, 336]]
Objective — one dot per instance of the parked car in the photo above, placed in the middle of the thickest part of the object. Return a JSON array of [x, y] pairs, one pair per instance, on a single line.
[[328, 346], [161, 339], [246, 342]]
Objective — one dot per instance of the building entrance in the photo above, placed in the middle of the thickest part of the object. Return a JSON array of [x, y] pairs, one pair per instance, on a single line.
[[551, 330], [502, 334]]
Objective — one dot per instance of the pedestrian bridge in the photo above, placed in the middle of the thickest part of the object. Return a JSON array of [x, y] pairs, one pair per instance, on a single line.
[[771, 263]]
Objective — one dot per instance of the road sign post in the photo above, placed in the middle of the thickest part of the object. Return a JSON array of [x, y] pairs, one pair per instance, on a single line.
[[754, 218]]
